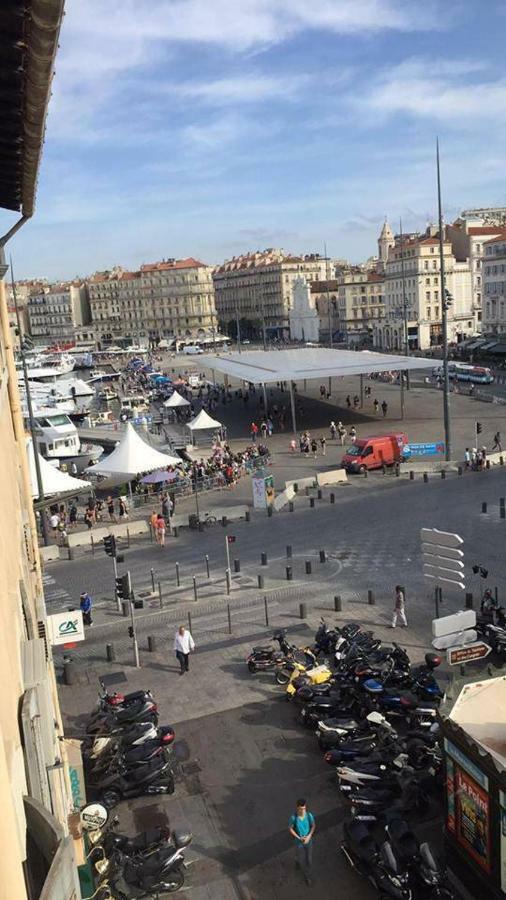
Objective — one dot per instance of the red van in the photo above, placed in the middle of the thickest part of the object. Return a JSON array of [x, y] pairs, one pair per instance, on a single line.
[[375, 452]]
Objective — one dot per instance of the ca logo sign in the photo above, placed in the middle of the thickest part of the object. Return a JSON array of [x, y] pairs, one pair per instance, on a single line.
[[69, 627]]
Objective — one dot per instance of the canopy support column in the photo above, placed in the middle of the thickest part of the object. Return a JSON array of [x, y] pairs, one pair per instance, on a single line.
[[361, 392], [329, 389], [401, 377], [265, 398], [292, 405]]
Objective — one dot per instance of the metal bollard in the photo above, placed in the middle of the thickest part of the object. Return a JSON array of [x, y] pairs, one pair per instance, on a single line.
[[425, 477], [289, 573], [397, 470], [228, 581], [322, 556], [160, 597], [332, 498], [319, 494], [269, 510], [308, 567], [266, 608], [110, 653], [260, 581], [501, 460], [69, 671], [288, 551], [263, 559], [237, 565], [190, 622], [338, 603], [207, 564], [460, 470], [384, 470], [152, 580], [303, 610], [291, 506], [311, 502], [411, 475], [487, 464], [469, 601], [125, 608], [229, 617], [151, 643], [224, 521], [443, 474], [195, 595], [370, 598], [92, 544], [247, 515], [178, 579], [128, 537], [366, 473], [175, 531], [483, 507]]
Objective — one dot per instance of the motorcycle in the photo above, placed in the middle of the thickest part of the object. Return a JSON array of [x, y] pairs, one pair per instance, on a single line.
[[332, 732], [377, 863], [150, 876], [115, 719], [106, 841], [423, 869], [394, 702], [131, 737], [266, 657], [117, 699], [155, 777]]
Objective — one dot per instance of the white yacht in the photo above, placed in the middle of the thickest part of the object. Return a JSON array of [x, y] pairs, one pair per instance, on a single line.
[[46, 367], [57, 438]]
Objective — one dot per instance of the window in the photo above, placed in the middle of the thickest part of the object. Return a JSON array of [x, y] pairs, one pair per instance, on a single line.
[[436, 295], [432, 249], [434, 264], [436, 312], [427, 281], [426, 264], [428, 312], [427, 295]]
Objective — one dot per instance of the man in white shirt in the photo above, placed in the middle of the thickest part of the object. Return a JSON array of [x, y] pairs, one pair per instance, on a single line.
[[183, 644]]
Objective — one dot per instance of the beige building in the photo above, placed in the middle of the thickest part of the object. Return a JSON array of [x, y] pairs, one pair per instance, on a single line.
[[412, 283], [37, 859], [170, 300], [55, 312], [258, 289], [494, 286], [360, 305]]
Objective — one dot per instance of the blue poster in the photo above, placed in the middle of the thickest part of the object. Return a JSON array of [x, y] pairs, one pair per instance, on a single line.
[[435, 449]]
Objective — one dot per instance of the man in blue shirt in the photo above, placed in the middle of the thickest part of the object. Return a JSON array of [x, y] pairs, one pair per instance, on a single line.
[[86, 604], [302, 826]]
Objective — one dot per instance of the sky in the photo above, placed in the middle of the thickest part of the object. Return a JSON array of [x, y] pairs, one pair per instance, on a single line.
[[210, 128]]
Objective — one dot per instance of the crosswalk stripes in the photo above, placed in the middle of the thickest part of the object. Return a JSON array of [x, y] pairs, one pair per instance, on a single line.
[[55, 595]]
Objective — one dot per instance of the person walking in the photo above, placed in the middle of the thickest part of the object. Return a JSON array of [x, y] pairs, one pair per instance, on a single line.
[[376, 405], [384, 408], [348, 401], [353, 434], [254, 432], [323, 444], [86, 603], [123, 509], [399, 607], [110, 508], [183, 645], [314, 447], [333, 430], [497, 442], [302, 826], [160, 530], [342, 433], [467, 458]]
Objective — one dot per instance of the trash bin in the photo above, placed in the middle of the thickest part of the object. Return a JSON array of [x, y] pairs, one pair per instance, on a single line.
[[69, 670]]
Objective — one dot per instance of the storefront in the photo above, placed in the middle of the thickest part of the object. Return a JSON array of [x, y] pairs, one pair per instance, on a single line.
[[474, 728]]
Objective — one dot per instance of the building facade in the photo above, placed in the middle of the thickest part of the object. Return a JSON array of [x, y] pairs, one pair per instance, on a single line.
[[257, 288], [55, 313], [494, 286], [360, 305], [468, 236], [169, 300], [413, 295]]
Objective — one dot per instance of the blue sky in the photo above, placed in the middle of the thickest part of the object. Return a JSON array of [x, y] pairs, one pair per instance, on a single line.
[[213, 127]]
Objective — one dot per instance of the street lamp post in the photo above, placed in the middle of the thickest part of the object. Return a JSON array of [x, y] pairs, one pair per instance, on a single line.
[[331, 340], [445, 303]]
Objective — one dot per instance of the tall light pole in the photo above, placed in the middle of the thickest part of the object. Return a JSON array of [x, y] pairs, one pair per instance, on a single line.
[[404, 298], [331, 342], [444, 318]]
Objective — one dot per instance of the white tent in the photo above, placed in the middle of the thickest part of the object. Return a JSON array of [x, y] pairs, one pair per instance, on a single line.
[[175, 401], [133, 456], [203, 421], [53, 480]]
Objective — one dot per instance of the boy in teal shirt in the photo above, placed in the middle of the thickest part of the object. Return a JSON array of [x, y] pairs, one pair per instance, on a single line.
[[302, 826]]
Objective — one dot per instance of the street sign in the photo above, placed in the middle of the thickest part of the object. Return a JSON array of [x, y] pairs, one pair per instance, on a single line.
[[66, 627], [458, 655], [435, 449], [443, 560], [459, 621]]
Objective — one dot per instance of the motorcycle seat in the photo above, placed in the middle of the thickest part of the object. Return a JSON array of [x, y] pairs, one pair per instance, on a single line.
[[403, 837], [153, 768], [361, 837], [263, 648], [334, 724], [130, 712], [377, 794]]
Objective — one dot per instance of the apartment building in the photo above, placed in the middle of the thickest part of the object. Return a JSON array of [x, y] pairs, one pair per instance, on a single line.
[[258, 288], [412, 283], [360, 305], [171, 299], [55, 312], [468, 236], [494, 286]]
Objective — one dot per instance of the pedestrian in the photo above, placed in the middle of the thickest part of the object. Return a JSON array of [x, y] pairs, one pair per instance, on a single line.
[[323, 444], [384, 408], [86, 603], [183, 644], [89, 519], [471, 390], [342, 433], [497, 442], [253, 431], [353, 434], [270, 427], [110, 508], [123, 509], [160, 528], [54, 521], [73, 515], [165, 506], [153, 522], [467, 458], [263, 429], [314, 448], [356, 401], [348, 401], [376, 405], [333, 430], [302, 826], [399, 607], [293, 446]]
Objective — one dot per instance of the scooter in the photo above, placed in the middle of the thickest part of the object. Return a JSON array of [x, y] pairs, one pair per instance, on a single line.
[[135, 877], [130, 759], [266, 657], [106, 841], [393, 702], [376, 863], [111, 721], [334, 731], [133, 736], [118, 699], [424, 871], [154, 778]]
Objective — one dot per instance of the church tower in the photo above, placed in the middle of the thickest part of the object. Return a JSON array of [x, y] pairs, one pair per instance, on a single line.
[[385, 241]]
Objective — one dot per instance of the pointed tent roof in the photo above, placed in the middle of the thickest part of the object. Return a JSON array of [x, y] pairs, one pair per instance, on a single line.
[[132, 456], [53, 480], [176, 400], [203, 421]]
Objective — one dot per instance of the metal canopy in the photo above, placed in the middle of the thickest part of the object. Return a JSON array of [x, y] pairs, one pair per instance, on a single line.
[[271, 366]]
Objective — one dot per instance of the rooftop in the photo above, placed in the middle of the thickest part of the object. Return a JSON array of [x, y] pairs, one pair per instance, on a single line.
[[481, 710]]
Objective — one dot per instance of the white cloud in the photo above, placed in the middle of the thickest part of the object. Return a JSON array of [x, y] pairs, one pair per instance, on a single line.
[[243, 88]]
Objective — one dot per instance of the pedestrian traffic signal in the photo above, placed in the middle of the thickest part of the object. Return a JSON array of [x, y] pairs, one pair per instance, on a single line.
[[123, 586], [130, 631], [110, 545], [479, 428]]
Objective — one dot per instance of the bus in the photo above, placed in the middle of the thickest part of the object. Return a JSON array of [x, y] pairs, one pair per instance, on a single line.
[[464, 372]]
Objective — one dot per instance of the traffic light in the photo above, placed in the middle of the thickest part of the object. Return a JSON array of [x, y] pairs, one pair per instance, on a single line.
[[231, 538], [110, 545], [130, 631], [479, 428], [123, 586]]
